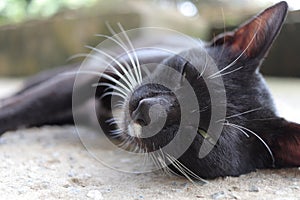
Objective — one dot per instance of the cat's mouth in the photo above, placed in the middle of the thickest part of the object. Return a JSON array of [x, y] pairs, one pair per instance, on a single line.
[[148, 139], [134, 130]]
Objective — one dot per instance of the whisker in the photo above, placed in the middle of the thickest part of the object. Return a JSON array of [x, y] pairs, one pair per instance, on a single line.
[[224, 31], [113, 120], [80, 55], [205, 66], [113, 32], [120, 40], [240, 114], [117, 62], [129, 76], [179, 168], [113, 93], [189, 171], [168, 170], [228, 124], [111, 86], [97, 74], [258, 137], [137, 64], [110, 78], [226, 73], [129, 69], [125, 144], [119, 105], [200, 110], [116, 132], [110, 120], [243, 113], [155, 161], [145, 159]]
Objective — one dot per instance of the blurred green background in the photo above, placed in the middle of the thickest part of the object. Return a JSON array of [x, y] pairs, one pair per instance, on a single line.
[[41, 34]]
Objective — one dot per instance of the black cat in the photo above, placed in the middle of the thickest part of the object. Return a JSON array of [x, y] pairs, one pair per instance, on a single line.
[[251, 137]]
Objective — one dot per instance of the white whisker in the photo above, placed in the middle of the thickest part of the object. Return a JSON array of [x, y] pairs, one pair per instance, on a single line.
[[179, 168], [224, 31], [113, 32], [112, 93], [119, 105], [137, 64], [243, 113], [205, 66], [80, 55], [123, 44], [153, 158], [116, 132], [226, 73], [127, 79], [129, 69], [97, 74], [189, 171], [111, 86], [110, 78], [258, 137], [228, 124]]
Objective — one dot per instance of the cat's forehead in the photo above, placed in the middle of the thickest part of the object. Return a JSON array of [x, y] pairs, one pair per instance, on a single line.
[[197, 57]]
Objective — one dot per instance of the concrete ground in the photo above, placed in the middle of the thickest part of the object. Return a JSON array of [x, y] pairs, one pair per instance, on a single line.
[[51, 163]]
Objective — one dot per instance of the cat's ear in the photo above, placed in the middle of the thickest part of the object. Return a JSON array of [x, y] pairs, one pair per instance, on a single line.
[[285, 145], [255, 37]]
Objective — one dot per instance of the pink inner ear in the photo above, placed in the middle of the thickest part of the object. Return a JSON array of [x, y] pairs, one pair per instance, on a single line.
[[251, 37], [255, 37]]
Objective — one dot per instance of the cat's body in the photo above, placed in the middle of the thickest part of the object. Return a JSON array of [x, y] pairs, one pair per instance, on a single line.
[[252, 135]]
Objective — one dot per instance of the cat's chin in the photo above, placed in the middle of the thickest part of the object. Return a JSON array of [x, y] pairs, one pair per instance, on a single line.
[[134, 130]]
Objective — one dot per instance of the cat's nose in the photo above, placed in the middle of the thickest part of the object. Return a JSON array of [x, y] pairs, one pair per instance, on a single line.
[[142, 115]]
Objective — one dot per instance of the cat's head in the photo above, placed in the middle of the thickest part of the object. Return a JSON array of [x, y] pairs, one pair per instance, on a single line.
[[185, 91]]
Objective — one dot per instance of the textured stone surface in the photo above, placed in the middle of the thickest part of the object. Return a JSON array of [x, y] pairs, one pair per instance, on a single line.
[[51, 163]]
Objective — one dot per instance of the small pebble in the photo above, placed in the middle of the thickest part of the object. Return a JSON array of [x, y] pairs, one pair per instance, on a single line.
[[71, 173], [253, 188], [73, 190], [281, 193], [66, 185], [218, 195], [295, 187], [234, 196], [95, 194]]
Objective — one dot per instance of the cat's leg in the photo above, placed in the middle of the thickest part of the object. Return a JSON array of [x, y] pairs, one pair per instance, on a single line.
[[45, 103], [40, 78], [285, 144], [45, 75], [283, 139]]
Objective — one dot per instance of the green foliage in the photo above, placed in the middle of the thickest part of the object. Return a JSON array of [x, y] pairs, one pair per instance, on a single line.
[[19, 10]]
